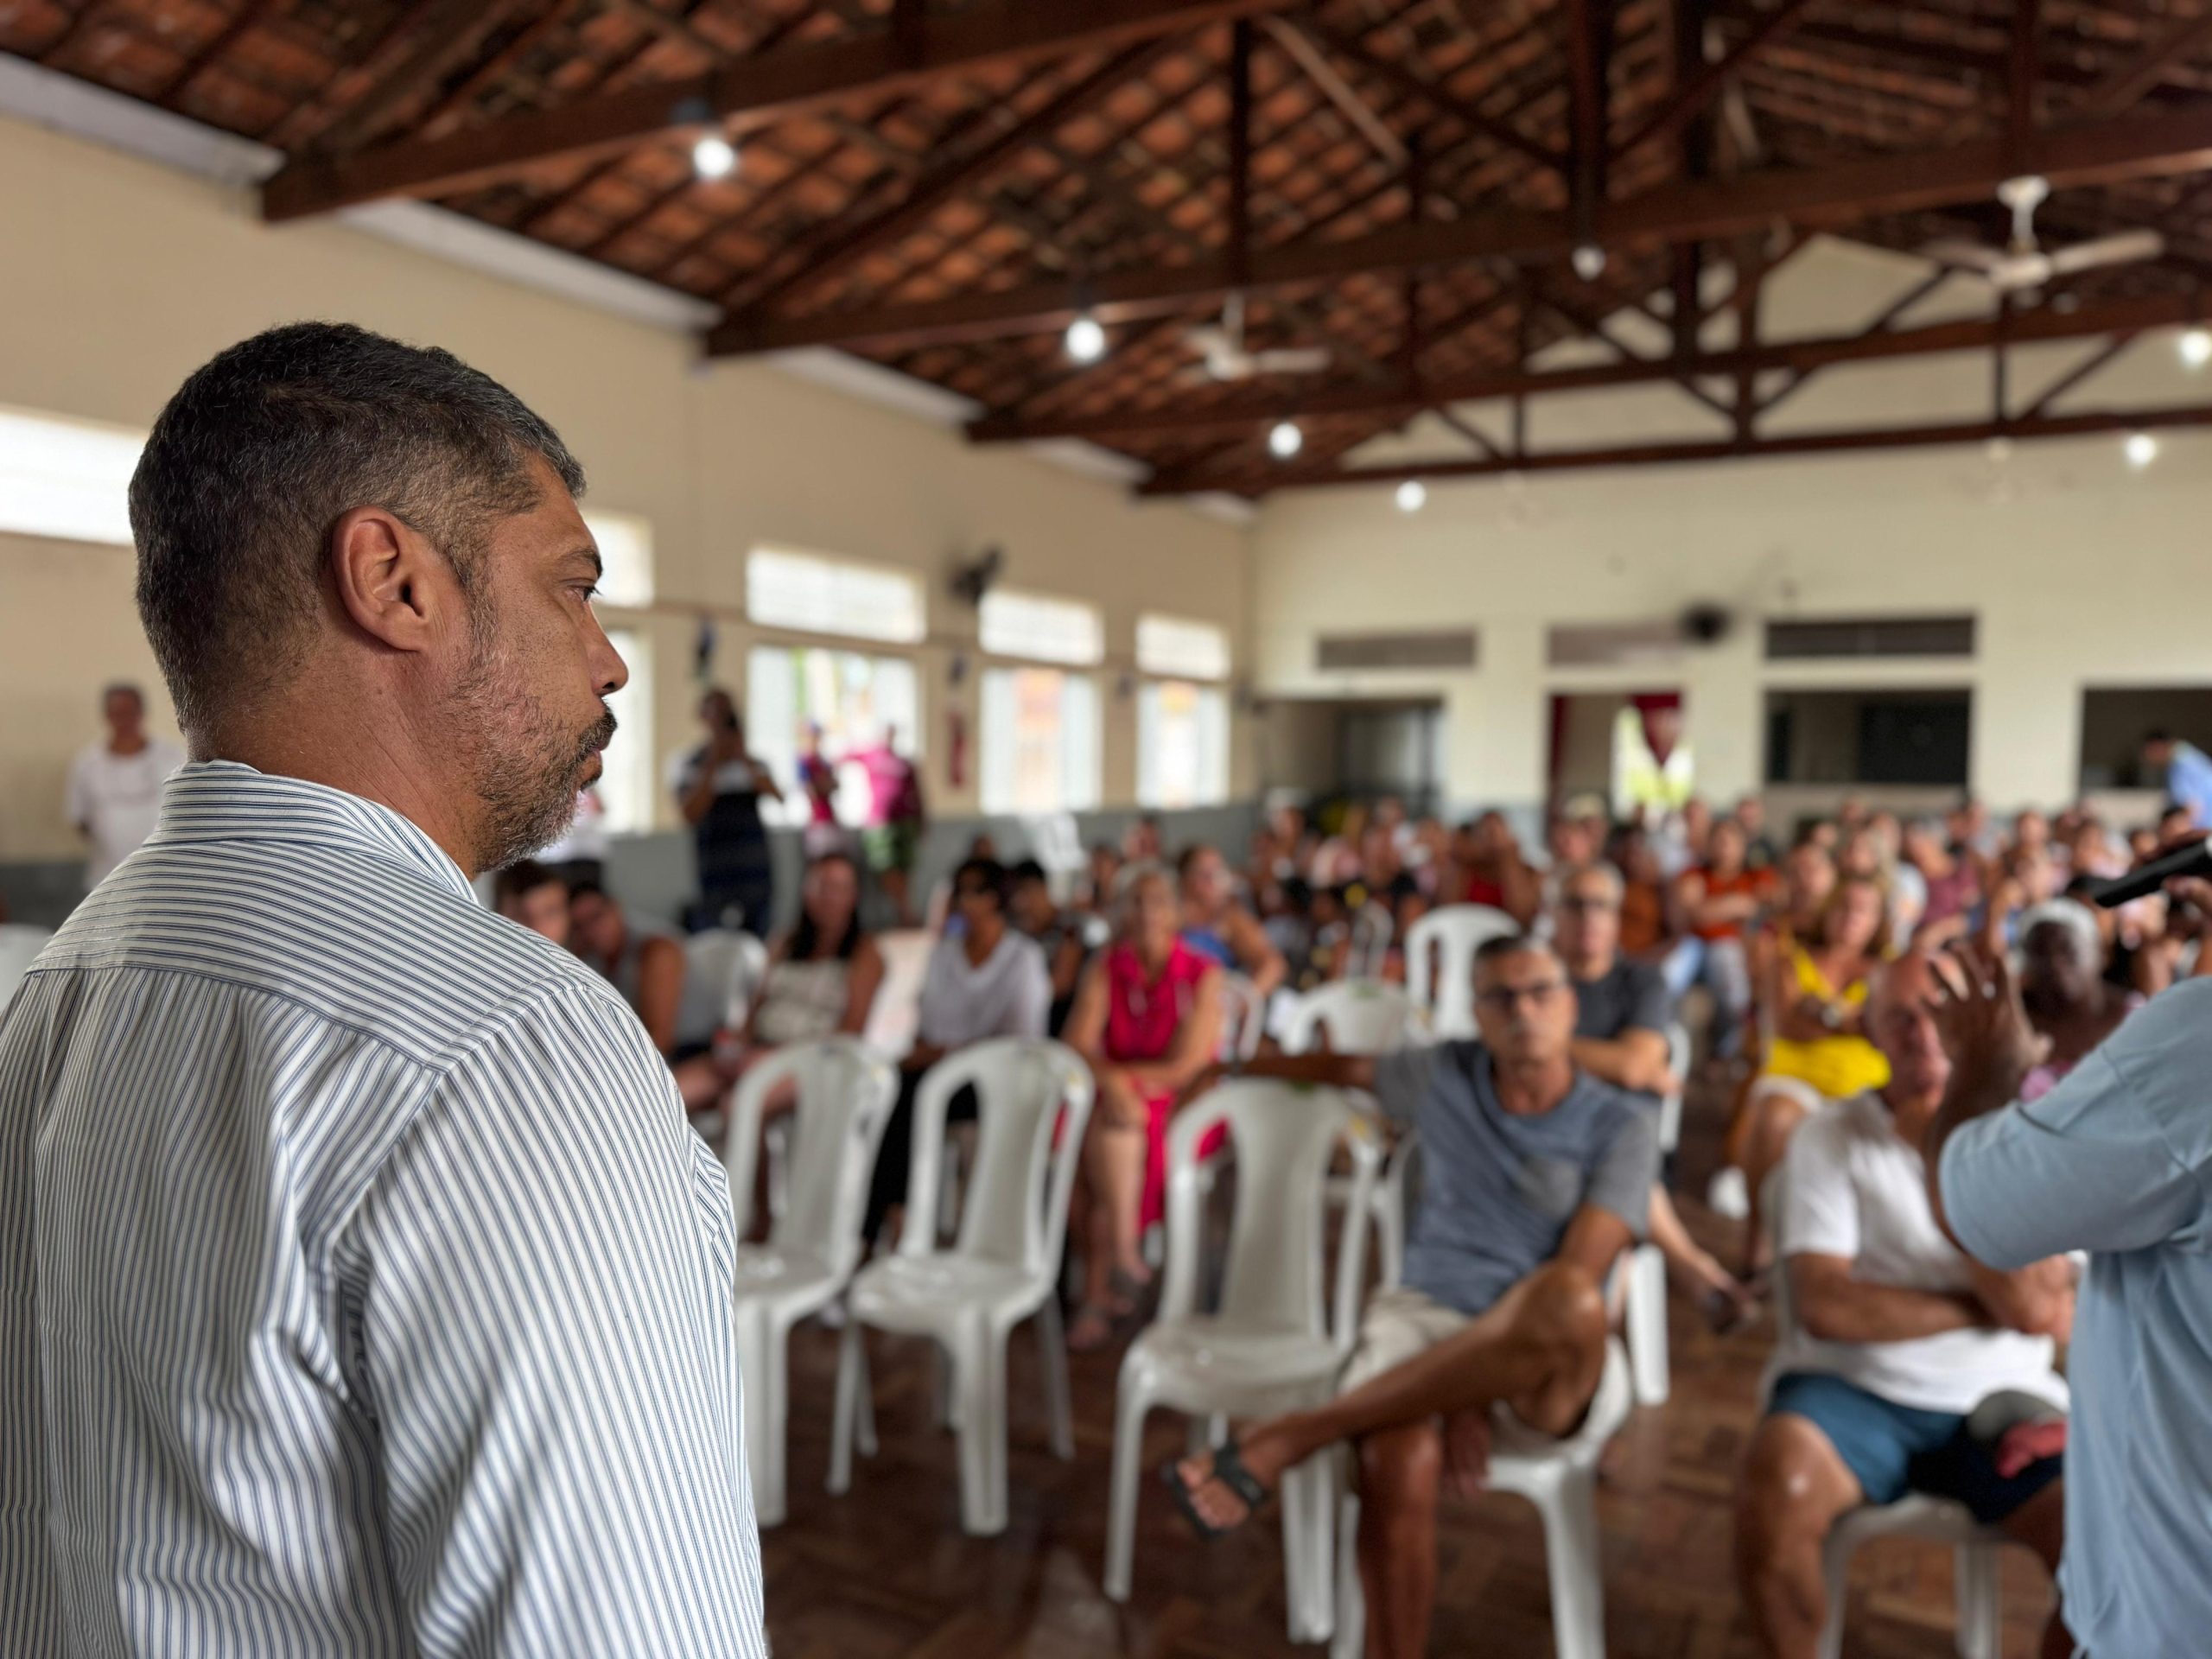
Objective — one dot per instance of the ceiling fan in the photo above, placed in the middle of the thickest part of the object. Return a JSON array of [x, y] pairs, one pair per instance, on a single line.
[[1221, 346], [2023, 265]]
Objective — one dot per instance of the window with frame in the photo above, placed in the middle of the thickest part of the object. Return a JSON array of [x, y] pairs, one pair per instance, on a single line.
[[814, 595], [627, 780], [1182, 744], [67, 479], [1040, 741], [1176, 648], [857, 700], [1041, 629]]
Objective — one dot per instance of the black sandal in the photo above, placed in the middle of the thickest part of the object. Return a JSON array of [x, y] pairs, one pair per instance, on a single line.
[[1228, 1469]]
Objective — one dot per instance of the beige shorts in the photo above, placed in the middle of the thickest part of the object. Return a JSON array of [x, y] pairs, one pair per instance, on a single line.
[[1404, 1324]]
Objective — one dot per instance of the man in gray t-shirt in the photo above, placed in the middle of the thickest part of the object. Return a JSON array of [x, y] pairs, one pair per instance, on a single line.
[[1536, 1176]]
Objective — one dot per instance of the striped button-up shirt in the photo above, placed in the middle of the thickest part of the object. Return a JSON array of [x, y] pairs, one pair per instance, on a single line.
[[365, 1291]]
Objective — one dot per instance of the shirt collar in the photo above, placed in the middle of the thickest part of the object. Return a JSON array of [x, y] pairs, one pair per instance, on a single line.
[[224, 800]]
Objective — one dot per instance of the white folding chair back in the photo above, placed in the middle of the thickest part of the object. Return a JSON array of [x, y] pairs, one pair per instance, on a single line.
[[897, 1012], [732, 962], [1444, 988], [1359, 1016], [1244, 1016], [1283, 1329], [1033, 1102], [845, 1093], [1931, 1520], [19, 948]]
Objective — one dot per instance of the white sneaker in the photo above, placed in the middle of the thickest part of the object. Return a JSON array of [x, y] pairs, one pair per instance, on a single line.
[[1728, 1196]]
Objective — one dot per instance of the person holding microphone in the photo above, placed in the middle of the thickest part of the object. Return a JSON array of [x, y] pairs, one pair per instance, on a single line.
[[2116, 1161]]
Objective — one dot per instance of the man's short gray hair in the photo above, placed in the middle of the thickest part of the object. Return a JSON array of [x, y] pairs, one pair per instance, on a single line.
[[1604, 872]]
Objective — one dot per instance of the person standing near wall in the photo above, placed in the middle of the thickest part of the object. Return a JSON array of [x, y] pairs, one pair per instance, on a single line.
[[115, 787], [719, 786]]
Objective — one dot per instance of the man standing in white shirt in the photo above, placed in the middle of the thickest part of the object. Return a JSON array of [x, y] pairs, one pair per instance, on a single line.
[[115, 787], [1905, 1366]]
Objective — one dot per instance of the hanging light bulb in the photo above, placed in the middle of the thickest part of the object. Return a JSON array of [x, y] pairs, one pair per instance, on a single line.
[[1086, 338], [2195, 347], [2141, 449], [1412, 495], [714, 156], [1589, 260], [1285, 440]]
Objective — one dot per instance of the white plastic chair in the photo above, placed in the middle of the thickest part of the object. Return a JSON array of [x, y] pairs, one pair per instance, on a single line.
[[897, 1011], [730, 961], [1361, 1016], [1445, 990], [845, 1093], [1917, 1516], [1373, 927], [1280, 1334], [1244, 1016], [1560, 1478], [1650, 1365], [19, 948], [1001, 1269]]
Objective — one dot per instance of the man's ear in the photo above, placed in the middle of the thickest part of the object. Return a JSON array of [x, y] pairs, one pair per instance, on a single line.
[[397, 588]]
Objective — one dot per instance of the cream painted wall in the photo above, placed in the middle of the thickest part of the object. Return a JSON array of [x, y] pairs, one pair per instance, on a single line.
[[2081, 571], [120, 277]]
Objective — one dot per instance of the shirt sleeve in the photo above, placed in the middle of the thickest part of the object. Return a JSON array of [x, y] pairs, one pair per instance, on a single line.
[[545, 1267], [1820, 1207], [2115, 1158], [1402, 1081], [1649, 1007], [1626, 1172]]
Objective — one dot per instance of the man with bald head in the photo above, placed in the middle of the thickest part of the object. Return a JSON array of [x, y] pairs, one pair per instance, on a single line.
[[1536, 1176], [1904, 1364]]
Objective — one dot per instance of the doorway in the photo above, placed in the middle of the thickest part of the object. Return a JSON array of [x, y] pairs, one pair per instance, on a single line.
[[1629, 749]]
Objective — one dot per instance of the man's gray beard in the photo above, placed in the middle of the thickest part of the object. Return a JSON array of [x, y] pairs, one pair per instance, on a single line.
[[524, 769]]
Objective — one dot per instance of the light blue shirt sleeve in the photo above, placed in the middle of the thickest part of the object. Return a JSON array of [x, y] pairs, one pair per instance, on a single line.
[[2188, 780], [2115, 1158]]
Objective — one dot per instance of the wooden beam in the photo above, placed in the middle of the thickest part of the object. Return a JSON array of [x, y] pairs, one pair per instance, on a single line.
[[1301, 51], [748, 93], [453, 29], [2128, 83], [244, 23], [1589, 61], [843, 246], [1803, 356], [2022, 75], [1237, 236], [2095, 360], [2089, 423], [2094, 153], [1440, 97], [1694, 95]]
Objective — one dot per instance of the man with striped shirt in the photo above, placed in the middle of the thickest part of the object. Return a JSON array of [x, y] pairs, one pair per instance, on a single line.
[[362, 1290]]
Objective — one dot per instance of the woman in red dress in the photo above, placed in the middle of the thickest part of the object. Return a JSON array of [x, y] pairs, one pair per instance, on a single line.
[[1147, 1021]]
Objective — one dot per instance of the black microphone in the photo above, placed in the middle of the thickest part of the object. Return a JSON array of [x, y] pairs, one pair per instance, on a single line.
[[2194, 858]]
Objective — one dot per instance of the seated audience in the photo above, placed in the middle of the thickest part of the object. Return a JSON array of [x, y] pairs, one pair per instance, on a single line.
[[1651, 924], [1948, 878], [1147, 1020], [1620, 1037], [1063, 935], [1905, 1366], [984, 980], [1760, 851], [1488, 868], [1719, 898], [1140, 842], [1218, 927], [823, 976], [1536, 1176], [680, 1011], [2070, 1003], [527, 892], [1818, 995]]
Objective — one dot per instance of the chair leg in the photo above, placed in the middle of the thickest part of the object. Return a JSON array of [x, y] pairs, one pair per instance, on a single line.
[[1979, 1570], [1053, 1355], [1306, 1523], [979, 1375], [1390, 1236], [866, 1426], [1349, 1639], [1835, 1567], [850, 1358], [1130, 1407], [1571, 1551], [760, 1358], [1647, 1324]]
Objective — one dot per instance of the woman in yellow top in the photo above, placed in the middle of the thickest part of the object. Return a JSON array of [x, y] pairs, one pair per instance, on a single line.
[[1818, 993]]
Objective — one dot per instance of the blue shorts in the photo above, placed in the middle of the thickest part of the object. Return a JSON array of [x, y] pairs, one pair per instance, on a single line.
[[1894, 1449]]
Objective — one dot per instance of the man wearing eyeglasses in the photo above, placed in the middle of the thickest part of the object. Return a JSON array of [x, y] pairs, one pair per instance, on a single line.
[[1536, 1176]]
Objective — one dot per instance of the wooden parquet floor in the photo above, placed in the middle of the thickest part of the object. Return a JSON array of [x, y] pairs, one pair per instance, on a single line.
[[886, 1570]]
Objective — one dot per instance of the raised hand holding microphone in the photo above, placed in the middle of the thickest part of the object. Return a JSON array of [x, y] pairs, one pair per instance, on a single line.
[[2116, 1161]]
